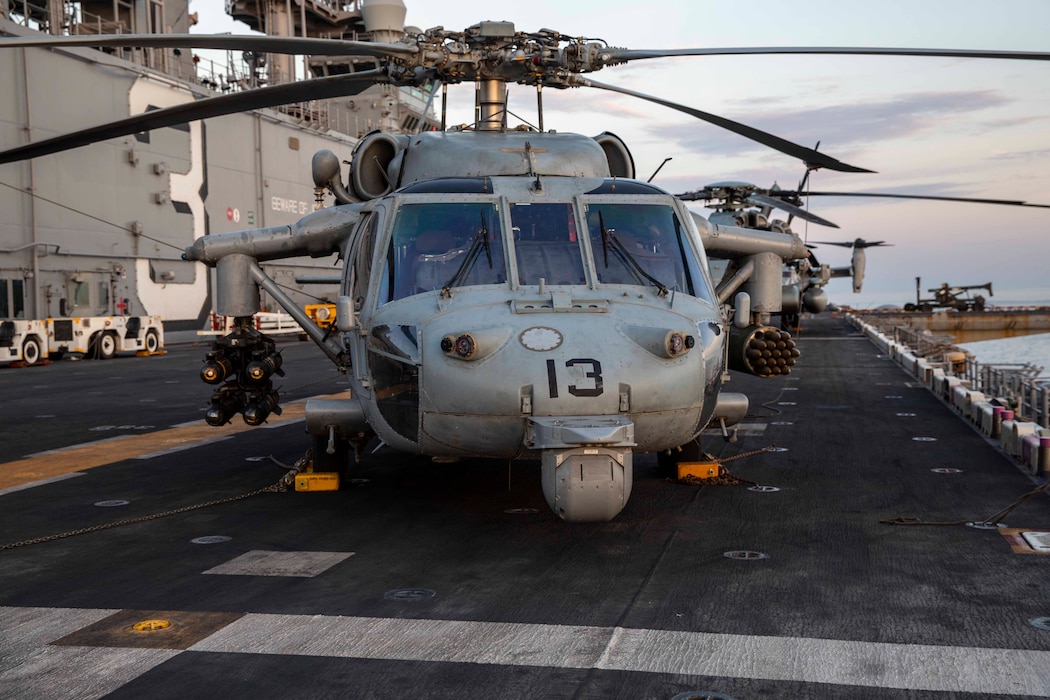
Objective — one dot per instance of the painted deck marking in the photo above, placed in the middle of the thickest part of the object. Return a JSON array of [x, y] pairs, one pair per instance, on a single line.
[[259, 562], [868, 664], [48, 465], [954, 669]]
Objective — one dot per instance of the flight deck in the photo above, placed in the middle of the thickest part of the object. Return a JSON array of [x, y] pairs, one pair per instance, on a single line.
[[454, 580]]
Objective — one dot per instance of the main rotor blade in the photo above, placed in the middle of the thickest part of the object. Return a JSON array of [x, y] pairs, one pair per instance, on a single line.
[[890, 195], [808, 155], [613, 55], [858, 243], [318, 88], [789, 208], [298, 46]]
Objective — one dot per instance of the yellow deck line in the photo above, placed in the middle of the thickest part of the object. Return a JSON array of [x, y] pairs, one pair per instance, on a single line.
[[88, 456]]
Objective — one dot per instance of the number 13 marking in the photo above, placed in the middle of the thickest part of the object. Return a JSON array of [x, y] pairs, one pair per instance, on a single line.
[[595, 375]]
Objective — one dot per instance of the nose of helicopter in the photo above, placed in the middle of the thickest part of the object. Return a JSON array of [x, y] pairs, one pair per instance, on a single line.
[[481, 384]]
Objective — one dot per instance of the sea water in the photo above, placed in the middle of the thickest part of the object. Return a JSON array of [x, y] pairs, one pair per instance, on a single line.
[[1033, 349]]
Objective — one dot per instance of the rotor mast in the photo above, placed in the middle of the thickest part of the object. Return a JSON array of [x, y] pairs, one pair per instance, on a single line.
[[491, 105]]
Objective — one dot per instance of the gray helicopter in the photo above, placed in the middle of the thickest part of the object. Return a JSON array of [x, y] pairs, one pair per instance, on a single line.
[[745, 205], [506, 293]]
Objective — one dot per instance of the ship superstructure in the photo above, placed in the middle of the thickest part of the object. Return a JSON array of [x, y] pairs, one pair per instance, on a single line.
[[100, 230]]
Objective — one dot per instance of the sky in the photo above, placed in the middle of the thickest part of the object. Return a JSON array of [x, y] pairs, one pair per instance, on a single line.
[[955, 127]]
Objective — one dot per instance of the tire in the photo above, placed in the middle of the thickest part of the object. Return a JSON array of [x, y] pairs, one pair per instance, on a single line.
[[152, 342], [106, 346], [667, 464], [339, 462], [31, 351]]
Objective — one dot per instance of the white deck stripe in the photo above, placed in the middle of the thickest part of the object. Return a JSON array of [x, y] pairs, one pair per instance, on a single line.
[[501, 643], [978, 670], [868, 664]]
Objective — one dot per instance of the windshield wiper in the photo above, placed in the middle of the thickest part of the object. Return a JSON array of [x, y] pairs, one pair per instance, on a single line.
[[629, 261], [481, 240]]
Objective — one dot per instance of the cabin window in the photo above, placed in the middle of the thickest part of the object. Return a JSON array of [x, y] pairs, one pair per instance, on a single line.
[[81, 294], [363, 248], [653, 242], [546, 243], [12, 305], [435, 245]]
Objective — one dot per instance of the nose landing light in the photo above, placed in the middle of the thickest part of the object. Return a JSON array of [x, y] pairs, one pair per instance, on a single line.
[[679, 343], [661, 342], [475, 344]]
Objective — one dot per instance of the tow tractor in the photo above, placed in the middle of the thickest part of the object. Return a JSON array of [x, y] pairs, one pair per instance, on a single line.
[[35, 341], [957, 298]]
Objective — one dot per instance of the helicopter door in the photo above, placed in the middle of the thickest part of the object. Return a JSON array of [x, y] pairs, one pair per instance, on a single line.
[[355, 284]]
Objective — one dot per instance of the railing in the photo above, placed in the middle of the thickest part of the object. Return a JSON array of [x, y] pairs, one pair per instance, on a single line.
[[265, 321], [1018, 385]]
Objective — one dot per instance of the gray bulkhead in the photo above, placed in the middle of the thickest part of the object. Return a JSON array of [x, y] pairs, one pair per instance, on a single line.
[[111, 219]]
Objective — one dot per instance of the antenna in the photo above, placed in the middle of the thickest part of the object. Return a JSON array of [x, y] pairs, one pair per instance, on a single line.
[[658, 169]]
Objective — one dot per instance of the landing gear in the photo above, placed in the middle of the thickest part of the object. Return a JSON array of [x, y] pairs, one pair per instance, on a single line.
[[344, 455], [339, 461], [667, 461]]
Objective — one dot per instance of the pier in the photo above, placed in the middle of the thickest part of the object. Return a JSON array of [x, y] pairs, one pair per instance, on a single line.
[[997, 322]]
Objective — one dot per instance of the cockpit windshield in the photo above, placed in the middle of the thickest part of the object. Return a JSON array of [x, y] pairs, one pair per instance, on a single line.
[[546, 243], [441, 246], [431, 244], [638, 243]]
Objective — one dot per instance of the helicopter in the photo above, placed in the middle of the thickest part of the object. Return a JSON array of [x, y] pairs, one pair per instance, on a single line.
[[743, 204], [855, 271], [509, 293], [746, 205]]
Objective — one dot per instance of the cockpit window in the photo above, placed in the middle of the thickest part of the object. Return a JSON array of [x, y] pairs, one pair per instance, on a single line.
[[546, 243], [652, 238], [432, 242]]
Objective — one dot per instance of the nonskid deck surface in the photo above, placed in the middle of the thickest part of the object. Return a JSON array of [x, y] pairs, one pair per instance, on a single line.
[[455, 580]]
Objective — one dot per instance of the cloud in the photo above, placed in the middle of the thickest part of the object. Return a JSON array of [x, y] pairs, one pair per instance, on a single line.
[[841, 126], [1017, 121], [1020, 155]]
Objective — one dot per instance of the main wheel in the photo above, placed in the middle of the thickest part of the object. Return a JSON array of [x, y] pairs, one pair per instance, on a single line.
[[31, 352], [152, 341], [689, 452], [339, 461], [106, 346]]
